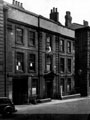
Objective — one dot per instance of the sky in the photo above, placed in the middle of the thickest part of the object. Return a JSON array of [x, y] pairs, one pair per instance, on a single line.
[[80, 9]]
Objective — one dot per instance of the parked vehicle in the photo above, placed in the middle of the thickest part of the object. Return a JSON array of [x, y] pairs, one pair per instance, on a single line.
[[6, 106]]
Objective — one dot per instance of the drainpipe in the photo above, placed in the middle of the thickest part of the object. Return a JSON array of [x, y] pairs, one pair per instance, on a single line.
[[5, 37], [38, 56]]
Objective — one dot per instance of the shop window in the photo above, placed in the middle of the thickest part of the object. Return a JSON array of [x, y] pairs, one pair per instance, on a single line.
[[31, 37], [48, 43], [34, 87], [61, 85], [20, 62], [61, 45], [69, 65], [62, 65], [32, 62], [68, 84], [19, 35], [48, 63], [69, 47]]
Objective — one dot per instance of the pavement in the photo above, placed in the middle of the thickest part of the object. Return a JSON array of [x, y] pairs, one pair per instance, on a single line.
[[52, 102], [69, 109]]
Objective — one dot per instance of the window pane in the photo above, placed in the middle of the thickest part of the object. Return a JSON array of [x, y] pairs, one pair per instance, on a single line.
[[69, 65], [31, 38], [48, 42], [62, 65], [48, 63], [62, 45], [20, 62], [69, 47], [31, 62], [19, 35]]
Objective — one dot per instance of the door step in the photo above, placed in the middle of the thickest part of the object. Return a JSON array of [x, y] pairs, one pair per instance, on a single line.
[[44, 100], [70, 96]]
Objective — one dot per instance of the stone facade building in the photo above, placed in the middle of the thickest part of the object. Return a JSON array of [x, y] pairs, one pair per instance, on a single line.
[[37, 56], [82, 55]]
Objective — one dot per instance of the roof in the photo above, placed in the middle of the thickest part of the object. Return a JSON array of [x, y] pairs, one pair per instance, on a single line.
[[75, 26], [19, 14]]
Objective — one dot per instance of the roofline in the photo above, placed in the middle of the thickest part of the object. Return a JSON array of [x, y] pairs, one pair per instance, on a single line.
[[85, 27], [33, 14]]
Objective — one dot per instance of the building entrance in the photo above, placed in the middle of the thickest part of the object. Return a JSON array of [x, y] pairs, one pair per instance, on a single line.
[[20, 90], [49, 89], [49, 84]]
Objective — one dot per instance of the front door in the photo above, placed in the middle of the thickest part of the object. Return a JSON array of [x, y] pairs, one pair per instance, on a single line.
[[49, 89]]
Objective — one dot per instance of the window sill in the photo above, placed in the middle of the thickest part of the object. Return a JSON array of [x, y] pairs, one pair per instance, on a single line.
[[19, 43], [19, 71], [32, 71]]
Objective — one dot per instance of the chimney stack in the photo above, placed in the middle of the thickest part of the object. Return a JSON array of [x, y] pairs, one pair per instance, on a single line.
[[54, 15], [85, 23], [18, 4], [68, 19]]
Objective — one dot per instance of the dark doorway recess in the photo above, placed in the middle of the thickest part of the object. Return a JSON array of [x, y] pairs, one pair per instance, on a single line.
[[20, 90], [49, 89]]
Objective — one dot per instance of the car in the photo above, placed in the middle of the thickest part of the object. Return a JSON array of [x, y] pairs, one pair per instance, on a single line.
[[6, 106]]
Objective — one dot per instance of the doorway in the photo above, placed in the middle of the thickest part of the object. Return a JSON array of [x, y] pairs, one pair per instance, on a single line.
[[49, 89], [20, 90]]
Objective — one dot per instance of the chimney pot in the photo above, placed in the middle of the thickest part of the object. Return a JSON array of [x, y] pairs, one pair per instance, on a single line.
[[54, 15], [16, 2], [13, 2], [54, 9], [21, 4], [68, 19], [85, 23]]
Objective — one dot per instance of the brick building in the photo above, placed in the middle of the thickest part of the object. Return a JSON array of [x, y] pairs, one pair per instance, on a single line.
[[37, 56], [82, 55]]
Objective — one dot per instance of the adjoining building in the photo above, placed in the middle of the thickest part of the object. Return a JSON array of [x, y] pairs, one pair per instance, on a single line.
[[37, 55], [82, 55]]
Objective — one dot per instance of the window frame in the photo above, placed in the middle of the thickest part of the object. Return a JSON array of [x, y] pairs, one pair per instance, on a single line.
[[23, 64], [48, 44], [62, 46], [31, 38], [62, 65], [33, 62], [69, 67], [47, 61], [69, 47], [20, 42]]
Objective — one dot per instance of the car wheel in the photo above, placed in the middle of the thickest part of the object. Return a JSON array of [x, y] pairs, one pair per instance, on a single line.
[[7, 111]]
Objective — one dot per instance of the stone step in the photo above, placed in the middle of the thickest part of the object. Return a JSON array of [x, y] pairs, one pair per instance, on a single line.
[[71, 96], [44, 100]]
